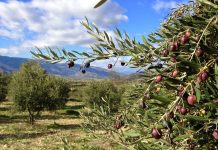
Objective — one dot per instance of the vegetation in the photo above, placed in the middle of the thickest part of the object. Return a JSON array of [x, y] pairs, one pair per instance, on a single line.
[[33, 90], [57, 92], [15, 133], [182, 58], [58, 130], [102, 94], [4, 80]]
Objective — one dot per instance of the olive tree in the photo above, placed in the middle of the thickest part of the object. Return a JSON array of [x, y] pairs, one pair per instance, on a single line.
[[57, 92], [102, 94], [27, 89], [180, 57], [33, 90]]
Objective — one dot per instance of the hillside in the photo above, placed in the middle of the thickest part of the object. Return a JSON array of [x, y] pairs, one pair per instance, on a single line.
[[11, 64]]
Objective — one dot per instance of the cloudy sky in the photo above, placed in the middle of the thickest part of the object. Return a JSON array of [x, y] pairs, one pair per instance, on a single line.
[[25, 24]]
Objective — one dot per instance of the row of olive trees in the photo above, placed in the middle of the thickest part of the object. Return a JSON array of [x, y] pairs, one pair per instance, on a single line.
[[31, 89], [4, 80]]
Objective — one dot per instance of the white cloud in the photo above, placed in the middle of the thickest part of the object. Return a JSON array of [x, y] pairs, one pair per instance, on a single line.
[[54, 22], [9, 51], [164, 5], [3, 51], [9, 34]]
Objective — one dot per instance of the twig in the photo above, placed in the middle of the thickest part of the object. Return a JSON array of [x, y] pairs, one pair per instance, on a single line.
[[192, 55]]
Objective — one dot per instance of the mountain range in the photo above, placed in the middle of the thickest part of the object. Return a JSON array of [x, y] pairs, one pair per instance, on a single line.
[[11, 64]]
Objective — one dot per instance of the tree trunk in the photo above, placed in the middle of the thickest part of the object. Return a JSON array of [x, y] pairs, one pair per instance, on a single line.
[[31, 117]]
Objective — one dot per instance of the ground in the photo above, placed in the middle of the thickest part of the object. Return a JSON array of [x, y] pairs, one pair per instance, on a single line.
[[51, 131]]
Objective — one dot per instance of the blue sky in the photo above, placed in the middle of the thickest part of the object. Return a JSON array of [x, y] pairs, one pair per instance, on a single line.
[[56, 23]]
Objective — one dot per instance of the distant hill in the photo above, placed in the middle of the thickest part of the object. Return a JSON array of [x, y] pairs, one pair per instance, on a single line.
[[11, 64]]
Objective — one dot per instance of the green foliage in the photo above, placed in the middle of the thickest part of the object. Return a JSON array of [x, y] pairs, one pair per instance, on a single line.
[[102, 94], [187, 43], [77, 88], [33, 90], [26, 87], [4, 80], [57, 92]]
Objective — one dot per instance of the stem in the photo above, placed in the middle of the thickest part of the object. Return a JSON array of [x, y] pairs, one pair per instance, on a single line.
[[149, 87], [174, 104], [211, 62], [116, 60], [121, 144], [192, 55], [216, 125]]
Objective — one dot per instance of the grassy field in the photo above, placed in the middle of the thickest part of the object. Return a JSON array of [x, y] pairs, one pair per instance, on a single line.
[[48, 131]]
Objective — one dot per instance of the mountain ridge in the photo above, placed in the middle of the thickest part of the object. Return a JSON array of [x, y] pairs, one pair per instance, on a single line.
[[11, 64]]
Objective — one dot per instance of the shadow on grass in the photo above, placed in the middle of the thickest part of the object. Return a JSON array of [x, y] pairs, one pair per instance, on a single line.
[[72, 112], [74, 100], [8, 119], [5, 108], [68, 112], [74, 107], [53, 117], [25, 135], [4, 117], [64, 127]]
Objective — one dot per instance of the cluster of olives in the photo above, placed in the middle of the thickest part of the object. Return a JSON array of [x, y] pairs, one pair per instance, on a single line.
[[110, 66], [201, 76], [87, 65], [83, 71]]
